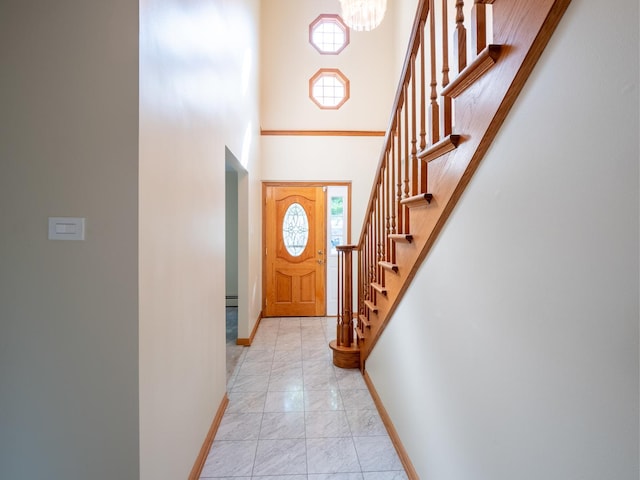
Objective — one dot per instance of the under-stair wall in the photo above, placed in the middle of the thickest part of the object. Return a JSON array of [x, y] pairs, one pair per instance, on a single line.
[[514, 352]]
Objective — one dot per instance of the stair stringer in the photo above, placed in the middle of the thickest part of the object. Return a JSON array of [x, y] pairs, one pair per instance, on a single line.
[[523, 29]]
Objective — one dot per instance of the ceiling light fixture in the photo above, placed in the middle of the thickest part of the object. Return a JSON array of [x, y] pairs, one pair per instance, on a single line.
[[363, 15]]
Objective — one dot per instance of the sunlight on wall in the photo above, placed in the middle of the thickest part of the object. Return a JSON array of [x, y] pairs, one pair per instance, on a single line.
[[207, 46], [246, 70], [246, 146], [198, 94]]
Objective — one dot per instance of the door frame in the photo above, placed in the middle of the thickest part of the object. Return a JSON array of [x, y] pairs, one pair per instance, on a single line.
[[266, 184]]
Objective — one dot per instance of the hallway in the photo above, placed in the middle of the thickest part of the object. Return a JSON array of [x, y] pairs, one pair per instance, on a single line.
[[293, 415]]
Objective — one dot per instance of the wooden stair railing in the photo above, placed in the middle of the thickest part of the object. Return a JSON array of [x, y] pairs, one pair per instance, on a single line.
[[445, 115]]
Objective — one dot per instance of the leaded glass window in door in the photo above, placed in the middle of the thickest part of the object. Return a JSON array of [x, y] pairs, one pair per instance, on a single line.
[[295, 229]]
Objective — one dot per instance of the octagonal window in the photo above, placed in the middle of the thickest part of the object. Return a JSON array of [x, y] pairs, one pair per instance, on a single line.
[[329, 88], [328, 34]]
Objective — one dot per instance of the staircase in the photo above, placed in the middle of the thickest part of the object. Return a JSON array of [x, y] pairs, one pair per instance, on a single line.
[[445, 116]]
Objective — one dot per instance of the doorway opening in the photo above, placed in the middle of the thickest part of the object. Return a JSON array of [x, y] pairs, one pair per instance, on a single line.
[[234, 244]]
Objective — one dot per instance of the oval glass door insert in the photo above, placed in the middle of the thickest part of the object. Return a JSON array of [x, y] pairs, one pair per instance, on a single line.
[[295, 229]]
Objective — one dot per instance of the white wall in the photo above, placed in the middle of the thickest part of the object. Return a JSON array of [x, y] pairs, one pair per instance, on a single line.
[[68, 309], [198, 95], [515, 351], [326, 159], [403, 13], [289, 61]]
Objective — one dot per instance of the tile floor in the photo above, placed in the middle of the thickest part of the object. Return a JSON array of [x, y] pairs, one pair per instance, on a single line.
[[293, 415]]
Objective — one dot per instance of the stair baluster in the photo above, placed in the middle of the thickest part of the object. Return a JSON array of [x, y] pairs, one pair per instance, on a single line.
[[434, 110], [447, 102], [479, 26], [392, 197], [414, 138], [460, 37], [405, 194], [399, 169]]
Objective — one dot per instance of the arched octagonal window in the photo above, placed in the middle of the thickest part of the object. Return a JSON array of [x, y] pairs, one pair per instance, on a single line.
[[328, 34], [329, 88]]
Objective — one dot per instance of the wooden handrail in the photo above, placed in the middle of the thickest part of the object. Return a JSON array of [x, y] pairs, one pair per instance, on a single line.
[[421, 15]]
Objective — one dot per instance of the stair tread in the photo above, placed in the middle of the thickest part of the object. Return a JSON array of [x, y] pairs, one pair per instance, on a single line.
[[371, 306], [420, 200], [392, 267], [448, 143], [401, 237], [360, 334], [364, 320], [379, 288], [483, 62]]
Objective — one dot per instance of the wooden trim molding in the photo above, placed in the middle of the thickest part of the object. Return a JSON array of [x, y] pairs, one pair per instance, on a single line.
[[323, 133], [391, 430], [320, 183], [196, 471], [248, 341]]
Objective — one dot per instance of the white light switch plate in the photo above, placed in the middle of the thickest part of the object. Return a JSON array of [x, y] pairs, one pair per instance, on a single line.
[[66, 228]]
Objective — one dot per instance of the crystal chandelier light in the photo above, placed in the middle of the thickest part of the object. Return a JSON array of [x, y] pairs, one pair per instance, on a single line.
[[363, 15]]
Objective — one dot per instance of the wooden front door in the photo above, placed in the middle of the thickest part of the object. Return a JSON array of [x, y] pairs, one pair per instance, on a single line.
[[294, 266]]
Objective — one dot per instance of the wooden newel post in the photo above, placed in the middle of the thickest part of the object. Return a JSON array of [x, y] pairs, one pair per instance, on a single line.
[[346, 353], [344, 333]]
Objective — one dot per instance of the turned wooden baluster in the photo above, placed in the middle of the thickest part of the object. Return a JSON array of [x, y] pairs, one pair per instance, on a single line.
[[360, 300], [374, 246], [388, 209], [392, 197], [380, 228], [362, 266], [434, 110], [373, 262], [379, 235], [399, 176], [406, 161], [447, 119], [386, 216], [370, 257], [414, 127], [478, 26], [366, 263], [460, 37], [423, 109]]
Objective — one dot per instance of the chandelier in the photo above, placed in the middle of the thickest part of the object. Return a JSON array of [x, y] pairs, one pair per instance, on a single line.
[[363, 15]]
